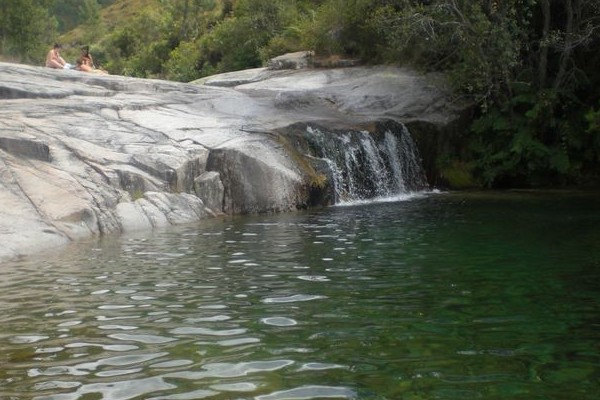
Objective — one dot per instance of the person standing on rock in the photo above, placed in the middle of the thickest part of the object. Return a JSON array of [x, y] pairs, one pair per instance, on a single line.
[[54, 59]]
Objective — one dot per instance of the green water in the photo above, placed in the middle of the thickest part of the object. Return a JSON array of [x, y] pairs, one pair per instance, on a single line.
[[443, 296]]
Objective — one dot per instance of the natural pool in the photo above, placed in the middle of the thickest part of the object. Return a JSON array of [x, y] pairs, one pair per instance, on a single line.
[[439, 296]]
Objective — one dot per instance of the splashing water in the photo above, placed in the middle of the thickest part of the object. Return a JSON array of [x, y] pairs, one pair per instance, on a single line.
[[369, 166]]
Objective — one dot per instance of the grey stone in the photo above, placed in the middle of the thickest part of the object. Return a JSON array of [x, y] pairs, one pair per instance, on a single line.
[[298, 60], [85, 155], [210, 189], [26, 147]]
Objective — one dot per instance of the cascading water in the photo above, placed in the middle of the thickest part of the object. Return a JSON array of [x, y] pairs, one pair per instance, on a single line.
[[364, 164]]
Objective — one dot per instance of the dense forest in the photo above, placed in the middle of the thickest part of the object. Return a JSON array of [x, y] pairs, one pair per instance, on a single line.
[[528, 67]]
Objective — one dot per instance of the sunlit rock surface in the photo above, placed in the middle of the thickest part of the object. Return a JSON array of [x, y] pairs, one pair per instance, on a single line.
[[84, 155]]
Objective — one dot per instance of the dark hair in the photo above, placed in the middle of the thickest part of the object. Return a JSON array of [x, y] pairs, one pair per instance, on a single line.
[[57, 46]]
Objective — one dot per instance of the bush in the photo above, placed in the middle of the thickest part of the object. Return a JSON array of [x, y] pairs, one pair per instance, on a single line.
[[140, 48], [26, 30], [340, 27], [183, 63]]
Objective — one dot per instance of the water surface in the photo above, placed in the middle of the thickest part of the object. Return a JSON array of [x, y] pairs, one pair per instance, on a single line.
[[442, 296]]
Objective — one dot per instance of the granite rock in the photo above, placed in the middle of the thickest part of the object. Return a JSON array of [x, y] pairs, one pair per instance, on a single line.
[[85, 155]]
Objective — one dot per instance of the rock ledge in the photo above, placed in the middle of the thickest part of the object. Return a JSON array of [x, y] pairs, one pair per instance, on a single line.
[[85, 155]]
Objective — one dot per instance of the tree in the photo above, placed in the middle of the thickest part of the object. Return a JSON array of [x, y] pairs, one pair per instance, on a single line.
[[140, 47], [240, 40], [92, 22], [191, 18], [525, 64], [25, 26]]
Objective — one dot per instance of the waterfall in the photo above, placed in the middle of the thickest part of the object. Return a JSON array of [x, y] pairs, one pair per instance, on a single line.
[[363, 164]]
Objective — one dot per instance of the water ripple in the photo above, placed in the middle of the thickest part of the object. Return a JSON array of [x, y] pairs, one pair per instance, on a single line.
[[316, 366], [293, 298], [119, 327], [121, 390], [193, 395], [232, 370], [28, 339], [314, 278], [279, 321], [172, 364], [311, 392], [212, 318], [107, 347], [148, 339], [208, 331], [86, 368], [238, 342]]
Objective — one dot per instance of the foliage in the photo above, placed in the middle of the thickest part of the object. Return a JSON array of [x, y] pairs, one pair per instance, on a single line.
[[522, 64], [340, 27], [191, 18], [24, 25], [182, 62], [238, 41], [90, 14], [231, 45], [138, 48], [69, 13], [457, 174]]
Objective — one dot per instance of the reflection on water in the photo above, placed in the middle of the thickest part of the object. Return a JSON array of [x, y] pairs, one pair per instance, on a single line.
[[441, 297]]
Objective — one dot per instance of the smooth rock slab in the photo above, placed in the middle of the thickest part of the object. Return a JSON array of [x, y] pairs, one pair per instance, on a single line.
[[84, 155]]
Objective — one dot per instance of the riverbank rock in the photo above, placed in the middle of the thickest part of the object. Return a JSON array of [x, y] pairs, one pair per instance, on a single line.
[[84, 155]]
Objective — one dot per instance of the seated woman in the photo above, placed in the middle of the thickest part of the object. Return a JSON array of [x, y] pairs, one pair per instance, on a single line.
[[86, 62]]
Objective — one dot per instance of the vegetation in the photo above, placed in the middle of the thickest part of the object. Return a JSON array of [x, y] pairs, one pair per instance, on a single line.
[[24, 24], [527, 66]]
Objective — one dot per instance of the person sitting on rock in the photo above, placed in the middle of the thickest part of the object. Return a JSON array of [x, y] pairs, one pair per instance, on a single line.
[[86, 62], [54, 59]]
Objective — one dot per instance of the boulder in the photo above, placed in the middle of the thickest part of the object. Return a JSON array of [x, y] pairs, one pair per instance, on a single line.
[[85, 155]]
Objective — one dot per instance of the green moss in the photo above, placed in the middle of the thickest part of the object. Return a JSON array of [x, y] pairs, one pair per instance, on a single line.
[[318, 181], [458, 175], [315, 179], [137, 194]]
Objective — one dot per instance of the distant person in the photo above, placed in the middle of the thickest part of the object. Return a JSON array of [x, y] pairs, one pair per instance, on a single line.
[[86, 62], [54, 59]]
